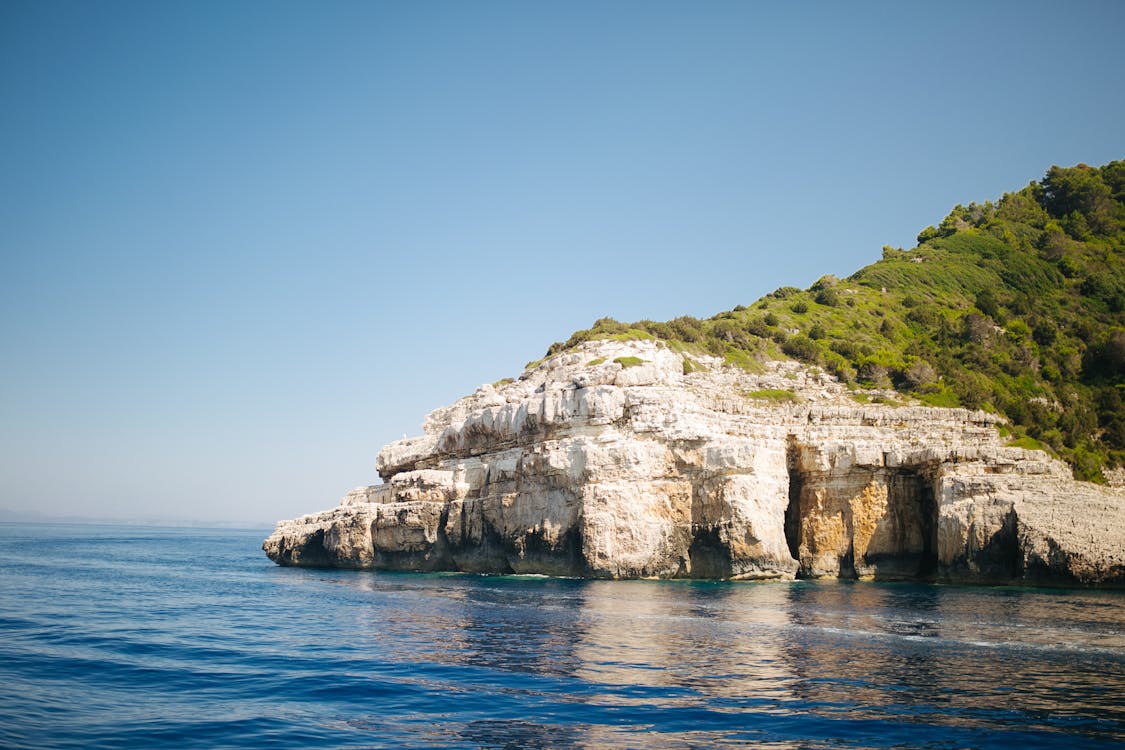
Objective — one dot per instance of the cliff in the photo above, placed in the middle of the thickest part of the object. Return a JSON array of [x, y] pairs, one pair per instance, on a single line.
[[624, 459]]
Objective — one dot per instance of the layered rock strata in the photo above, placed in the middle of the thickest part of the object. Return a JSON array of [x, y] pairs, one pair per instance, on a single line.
[[627, 459]]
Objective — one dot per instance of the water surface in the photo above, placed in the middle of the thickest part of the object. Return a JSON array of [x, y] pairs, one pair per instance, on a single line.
[[140, 637]]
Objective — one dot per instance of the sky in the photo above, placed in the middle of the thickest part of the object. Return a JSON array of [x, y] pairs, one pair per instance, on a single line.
[[245, 244]]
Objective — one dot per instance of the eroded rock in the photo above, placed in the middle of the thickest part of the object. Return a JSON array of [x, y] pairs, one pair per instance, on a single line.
[[585, 466]]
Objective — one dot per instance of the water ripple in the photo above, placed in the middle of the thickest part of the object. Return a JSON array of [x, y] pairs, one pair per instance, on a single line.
[[108, 639]]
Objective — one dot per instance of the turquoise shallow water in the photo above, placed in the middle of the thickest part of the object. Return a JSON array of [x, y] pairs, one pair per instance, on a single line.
[[140, 637]]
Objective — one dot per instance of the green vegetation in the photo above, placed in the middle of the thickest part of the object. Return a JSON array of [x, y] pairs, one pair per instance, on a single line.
[[1027, 442], [1015, 307], [502, 382], [690, 366], [596, 361], [629, 361], [773, 395]]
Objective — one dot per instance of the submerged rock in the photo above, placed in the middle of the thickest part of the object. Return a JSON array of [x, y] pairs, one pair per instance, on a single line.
[[590, 467]]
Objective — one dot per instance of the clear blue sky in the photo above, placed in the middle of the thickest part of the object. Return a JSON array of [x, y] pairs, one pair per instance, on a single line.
[[244, 244]]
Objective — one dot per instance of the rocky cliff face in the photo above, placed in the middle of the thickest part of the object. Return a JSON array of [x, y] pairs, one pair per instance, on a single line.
[[610, 461]]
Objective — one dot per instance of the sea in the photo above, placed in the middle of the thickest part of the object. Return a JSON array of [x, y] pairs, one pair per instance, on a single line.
[[134, 637]]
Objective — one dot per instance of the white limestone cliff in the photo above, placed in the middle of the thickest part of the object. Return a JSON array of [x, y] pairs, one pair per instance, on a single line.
[[595, 467]]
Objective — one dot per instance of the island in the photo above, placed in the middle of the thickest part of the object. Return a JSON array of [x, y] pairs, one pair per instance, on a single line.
[[950, 413]]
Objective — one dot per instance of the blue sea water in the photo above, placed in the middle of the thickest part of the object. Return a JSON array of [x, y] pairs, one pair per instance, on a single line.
[[117, 637]]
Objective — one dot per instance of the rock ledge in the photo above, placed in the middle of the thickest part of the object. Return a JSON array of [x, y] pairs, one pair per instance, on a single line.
[[584, 466]]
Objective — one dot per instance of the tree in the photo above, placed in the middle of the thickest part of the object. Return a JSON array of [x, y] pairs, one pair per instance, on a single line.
[[987, 304], [1022, 207], [919, 373], [828, 296], [1106, 359], [1080, 188], [976, 328], [1114, 176]]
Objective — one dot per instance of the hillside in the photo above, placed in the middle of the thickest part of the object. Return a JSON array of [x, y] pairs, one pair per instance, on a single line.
[[1015, 307]]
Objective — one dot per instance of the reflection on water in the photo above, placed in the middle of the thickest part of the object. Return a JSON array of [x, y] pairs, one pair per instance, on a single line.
[[133, 648], [698, 641], [706, 662]]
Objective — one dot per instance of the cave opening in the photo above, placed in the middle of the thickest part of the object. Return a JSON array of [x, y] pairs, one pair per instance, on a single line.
[[793, 509], [911, 502], [710, 554], [874, 521]]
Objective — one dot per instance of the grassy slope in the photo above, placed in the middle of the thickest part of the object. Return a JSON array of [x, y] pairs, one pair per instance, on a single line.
[[1016, 307]]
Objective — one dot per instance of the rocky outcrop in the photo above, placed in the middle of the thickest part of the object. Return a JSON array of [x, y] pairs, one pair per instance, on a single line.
[[610, 461]]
